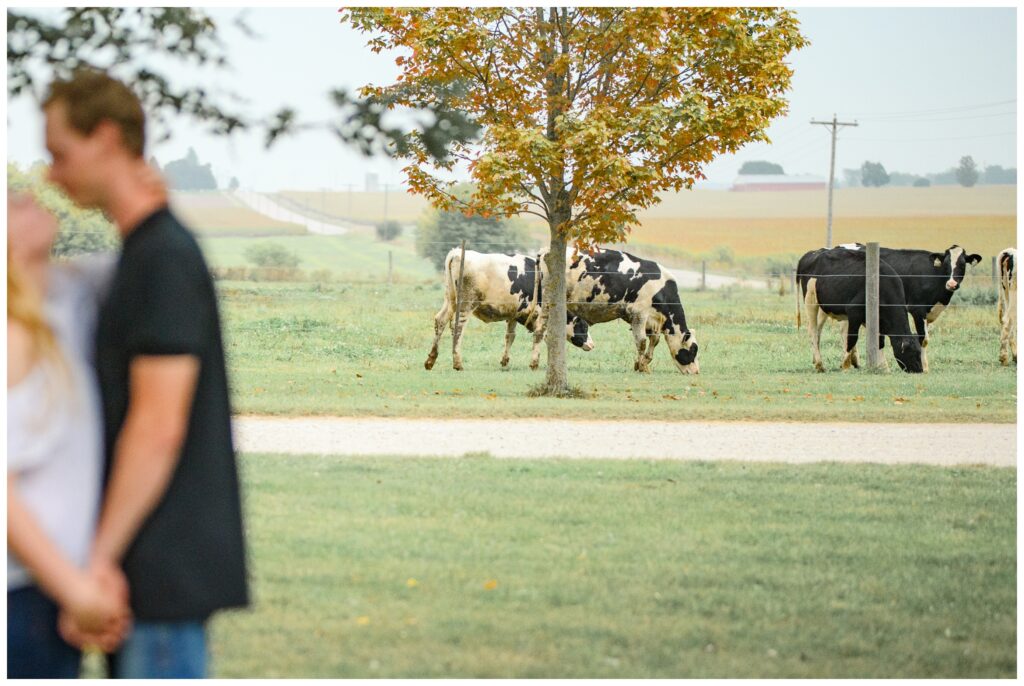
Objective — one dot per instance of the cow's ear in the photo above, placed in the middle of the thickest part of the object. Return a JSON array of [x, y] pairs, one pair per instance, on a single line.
[[937, 257], [973, 259]]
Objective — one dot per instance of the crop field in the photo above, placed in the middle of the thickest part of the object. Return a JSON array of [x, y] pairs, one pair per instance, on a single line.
[[358, 349], [982, 234], [477, 567], [213, 213]]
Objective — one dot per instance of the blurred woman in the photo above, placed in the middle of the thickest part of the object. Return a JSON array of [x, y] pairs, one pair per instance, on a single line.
[[54, 453]]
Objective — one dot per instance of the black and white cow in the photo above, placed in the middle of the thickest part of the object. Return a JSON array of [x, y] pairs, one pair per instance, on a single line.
[[929, 281], [611, 284], [497, 288], [833, 285], [1007, 307]]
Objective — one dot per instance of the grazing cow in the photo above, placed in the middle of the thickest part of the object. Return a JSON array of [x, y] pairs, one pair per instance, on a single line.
[[496, 288], [610, 284], [929, 281], [833, 285], [1007, 305]]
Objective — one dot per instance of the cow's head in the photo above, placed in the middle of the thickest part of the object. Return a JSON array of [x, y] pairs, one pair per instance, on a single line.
[[577, 332], [907, 351], [954, 263], [683, 347]]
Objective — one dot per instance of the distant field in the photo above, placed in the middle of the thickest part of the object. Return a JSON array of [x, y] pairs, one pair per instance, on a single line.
[[360, 206], [848, 202], [983, 234], [217, 213]]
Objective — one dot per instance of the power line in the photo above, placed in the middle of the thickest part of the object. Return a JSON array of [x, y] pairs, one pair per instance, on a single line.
[[925, 140], [915, 121], [935, 111]]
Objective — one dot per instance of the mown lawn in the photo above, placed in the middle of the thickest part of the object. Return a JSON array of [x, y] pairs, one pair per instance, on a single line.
[[478, 567], [358, 349]]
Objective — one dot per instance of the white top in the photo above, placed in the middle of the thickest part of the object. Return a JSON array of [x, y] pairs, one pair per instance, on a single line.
[[54, 421]]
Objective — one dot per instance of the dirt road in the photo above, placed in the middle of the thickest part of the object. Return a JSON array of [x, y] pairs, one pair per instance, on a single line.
[[936, 444]]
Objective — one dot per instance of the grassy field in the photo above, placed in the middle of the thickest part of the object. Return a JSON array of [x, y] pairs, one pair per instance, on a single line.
[[477, 567], [351, 257], [346, 349]]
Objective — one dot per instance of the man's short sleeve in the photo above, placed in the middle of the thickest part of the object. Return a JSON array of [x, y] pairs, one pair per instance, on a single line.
[[172, 316]]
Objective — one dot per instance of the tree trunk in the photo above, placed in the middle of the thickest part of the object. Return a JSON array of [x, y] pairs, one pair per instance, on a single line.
[[556, 382]]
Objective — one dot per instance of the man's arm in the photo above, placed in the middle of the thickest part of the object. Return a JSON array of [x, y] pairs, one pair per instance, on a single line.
[[147, 449]]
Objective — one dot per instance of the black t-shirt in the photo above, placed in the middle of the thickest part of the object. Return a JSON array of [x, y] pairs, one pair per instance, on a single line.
[[188, 559]]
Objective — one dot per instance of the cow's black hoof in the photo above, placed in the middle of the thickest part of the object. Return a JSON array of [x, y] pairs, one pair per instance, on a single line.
[[428, 365]]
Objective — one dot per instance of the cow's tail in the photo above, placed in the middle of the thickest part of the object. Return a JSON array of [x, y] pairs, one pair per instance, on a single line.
[[799, 308], [451, 277], [536, 289]]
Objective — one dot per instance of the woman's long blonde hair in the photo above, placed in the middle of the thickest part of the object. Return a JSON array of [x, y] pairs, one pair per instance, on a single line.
[[25, 307]]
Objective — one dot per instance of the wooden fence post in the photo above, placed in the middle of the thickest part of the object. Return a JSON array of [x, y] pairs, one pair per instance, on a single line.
[[390, 264], [703, 275], [995, 280], [871, 277]]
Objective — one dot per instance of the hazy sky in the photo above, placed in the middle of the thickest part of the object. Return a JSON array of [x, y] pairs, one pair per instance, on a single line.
[[927, 86]]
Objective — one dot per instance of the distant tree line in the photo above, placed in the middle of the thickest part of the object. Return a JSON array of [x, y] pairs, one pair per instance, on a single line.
[[966, 173]]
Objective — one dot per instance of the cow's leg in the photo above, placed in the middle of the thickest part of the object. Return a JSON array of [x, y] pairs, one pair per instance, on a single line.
[[852, 326], [639, 326], [441, 320], [850, 359], [457, 335], [510, 336], [652, 340], [921, 325], [815, 322]]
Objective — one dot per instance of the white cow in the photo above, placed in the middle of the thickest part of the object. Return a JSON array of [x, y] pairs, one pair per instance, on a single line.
[[497, 288]]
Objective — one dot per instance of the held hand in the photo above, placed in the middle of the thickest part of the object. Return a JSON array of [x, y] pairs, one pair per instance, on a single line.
[[95, 604], [107, 641]]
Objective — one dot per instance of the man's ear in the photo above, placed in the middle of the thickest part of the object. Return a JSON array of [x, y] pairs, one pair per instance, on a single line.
[[108, 133]]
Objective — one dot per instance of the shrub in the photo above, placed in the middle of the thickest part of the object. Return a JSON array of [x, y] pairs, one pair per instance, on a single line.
[[389, 230], [271, 255]]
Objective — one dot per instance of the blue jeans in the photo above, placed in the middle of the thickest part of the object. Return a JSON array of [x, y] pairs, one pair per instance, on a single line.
[[34, 648], [162, 650]]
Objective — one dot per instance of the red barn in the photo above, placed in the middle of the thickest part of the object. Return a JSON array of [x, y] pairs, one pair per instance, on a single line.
[[778, 182]]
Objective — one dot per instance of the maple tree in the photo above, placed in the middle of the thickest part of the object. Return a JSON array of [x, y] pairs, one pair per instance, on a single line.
[[587, 113]]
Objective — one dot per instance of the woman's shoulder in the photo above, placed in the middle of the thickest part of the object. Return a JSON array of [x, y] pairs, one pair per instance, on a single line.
[[21, 353]]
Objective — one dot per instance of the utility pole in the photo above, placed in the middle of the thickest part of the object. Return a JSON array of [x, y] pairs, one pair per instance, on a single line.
[[834, 124]]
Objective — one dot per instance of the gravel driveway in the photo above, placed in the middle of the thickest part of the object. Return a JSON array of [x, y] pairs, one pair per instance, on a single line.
[[936, 444]]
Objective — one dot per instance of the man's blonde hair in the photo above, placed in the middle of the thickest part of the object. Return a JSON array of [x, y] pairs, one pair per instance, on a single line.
[[92, 96]]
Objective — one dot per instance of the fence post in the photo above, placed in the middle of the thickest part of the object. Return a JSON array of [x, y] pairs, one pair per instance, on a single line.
[[703, 275], [995, 281], [390, 262], [458, 290], [871, 277]]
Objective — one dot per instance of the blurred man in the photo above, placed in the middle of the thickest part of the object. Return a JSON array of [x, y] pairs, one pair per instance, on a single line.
[[171, 515]]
